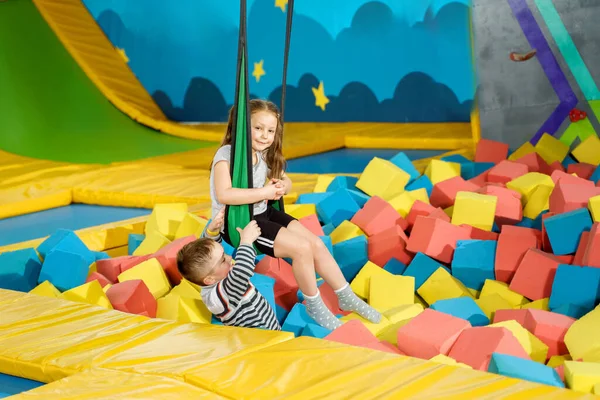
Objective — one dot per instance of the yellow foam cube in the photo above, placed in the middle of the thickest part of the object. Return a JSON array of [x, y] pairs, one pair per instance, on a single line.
[[301, 210], [526, 148], [449, 211], [441, 285], [165, 219], [153, 242], [387, 292], [419, 300], [374, 328], [186, 289], [444, 359], [594, 207], [536, 349], [345, 231], [362, 281], [588, 151], [93, 268], [183, 309], [323, 182], [402, 203], [420, 194], [541, 304], [582, 338], [475, 209], [526, 184], [403, 312], [538, 201], [474, 293], [551, 149], [108, 286], [390, 332], [582, 376], [500, 288], [90, 292], [382, 178], [190, 225], [438, 170], [557, 361], [46, 289], [492, 303], [153, 275]]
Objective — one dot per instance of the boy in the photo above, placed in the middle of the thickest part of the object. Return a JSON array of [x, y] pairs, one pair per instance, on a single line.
[[226, 288]]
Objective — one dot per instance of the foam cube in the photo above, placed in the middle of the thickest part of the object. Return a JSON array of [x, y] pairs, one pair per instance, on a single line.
[[594, 207], [508, 206], [300, 210], [423, 182], [316, 331], [312, 198], [191, 225], [403, 312], [323, 182], [438, 171], [46, 289], [588, 151], [359, 197], [474, 209], [480, 234], [65, 270], [387, 292], [535, 274], [296, 320], [550, 328], [338, 207], [153, 242], [513, 243], [442, 359], [538, 202], [402, 203], [388, 244], [90, 292], [541, 304], [595, 178], [582, 376], [473, 262], [568, 197], [491, 303], [535, 163], [71, 240], [311, 222], [421, 268], [506, 171], [353, 333], [402, 161], [95, 276], [165, 219], [265, 286], [183, 309], [430, 333], [490, 151], [132, 297], [516, 367], [571, 310], [419, 208], [581, 248], [519, 316], [582, 170], [376, 216], [436, 238], [526, 148], [564, 230], [502, 289], [167, 257], [345, 231], [526, 184], [133, 242], [19, 270], [444, 193], [375, 329], [570, 179], [382, 178], [591, 254], [441, 285], [574, 285], [362, 282], [342, 182], [475, 346], [551, 149], [557, 361], [153, 275], [351, 255], [534, 347], [582, 339], [395, 267], [286, 287], [462, 307], [110, 268]]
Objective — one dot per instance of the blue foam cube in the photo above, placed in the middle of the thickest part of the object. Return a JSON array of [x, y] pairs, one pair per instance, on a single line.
[[100, 255], [265, 284], [19, 270], [480, 167], [420, 183], [47, 245], [65, 270], [342, 182], [462, 307], [359, 197], [571, 310], [521, 368], [133, 242], [68, 241], [421, 268], [568, 161], [328, 228], [351, 255], [564, 230], [336, 208], [316, 331], [402, 161], [258, 258], [526, 223], [473, 262], [578, 286], [394, 267], [312, 198], [596, 175], [281, 314], [296, 320], [467, 167]]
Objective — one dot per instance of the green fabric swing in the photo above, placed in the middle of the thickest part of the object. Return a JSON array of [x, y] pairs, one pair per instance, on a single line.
[[241, 149]]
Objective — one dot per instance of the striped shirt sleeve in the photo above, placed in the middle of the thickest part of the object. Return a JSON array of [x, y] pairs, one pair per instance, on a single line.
[[237, 282]]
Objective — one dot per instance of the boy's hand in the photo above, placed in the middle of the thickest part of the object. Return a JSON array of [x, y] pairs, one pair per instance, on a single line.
[[250, 233], [217, 223]]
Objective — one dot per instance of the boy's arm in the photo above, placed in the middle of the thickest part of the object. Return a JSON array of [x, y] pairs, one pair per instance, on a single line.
[[237, 282], [216, 238]]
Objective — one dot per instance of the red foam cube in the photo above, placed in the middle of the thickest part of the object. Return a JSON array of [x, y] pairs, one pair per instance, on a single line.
[[286, 287], [418, 208], [353, 333], [557, 166], [535, 163], [430, 333], [167, 257], [110, 268], [581, 248], [582, 170], [535, 274], [591, 255], [376, 216], [506, 171], [509, 315], [439, 214], [311, 222], [444, 193], [546, 245], [480, 180], [568, 197], [491, 151], [132, 297], [479, 234], [95, 276], [513, 243], [475, 346], [388, 244], [509, 210], [435, 238], [563, 177], [550, 328], [132, 261]]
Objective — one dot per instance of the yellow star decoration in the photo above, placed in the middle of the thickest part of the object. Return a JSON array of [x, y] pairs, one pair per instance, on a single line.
[[320, 99], [281, 4], [123, 54], [258, 70]]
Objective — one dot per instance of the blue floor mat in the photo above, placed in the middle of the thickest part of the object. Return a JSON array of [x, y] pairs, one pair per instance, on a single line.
[[11, 385]]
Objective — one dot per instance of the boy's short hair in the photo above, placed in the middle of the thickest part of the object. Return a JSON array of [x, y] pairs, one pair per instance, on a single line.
[[193, 260]]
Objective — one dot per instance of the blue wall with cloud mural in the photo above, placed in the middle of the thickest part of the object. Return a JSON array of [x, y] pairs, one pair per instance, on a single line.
[[386, 60]]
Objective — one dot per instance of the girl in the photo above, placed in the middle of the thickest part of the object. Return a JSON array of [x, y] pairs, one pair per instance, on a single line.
[[282, 235]]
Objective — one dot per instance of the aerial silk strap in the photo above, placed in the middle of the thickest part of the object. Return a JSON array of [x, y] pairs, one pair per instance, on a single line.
[[241, 147]]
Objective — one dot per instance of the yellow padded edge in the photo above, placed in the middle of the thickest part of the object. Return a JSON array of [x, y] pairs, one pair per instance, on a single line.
[[50, 339]]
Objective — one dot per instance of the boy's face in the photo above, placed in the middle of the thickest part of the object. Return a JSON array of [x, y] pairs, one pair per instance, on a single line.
[[264, 127], [220, 265]]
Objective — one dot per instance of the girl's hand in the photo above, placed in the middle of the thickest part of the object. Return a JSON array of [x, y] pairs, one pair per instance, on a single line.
[[279, 183], [217, 223], [274, 191]]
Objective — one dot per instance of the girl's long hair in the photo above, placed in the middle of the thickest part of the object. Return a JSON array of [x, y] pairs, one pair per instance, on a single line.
[[274, 154]]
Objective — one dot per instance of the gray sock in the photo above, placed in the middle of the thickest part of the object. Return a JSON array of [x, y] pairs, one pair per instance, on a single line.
[[317, 310], [349, 301]]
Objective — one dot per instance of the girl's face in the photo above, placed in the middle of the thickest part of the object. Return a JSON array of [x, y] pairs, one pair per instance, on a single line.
[[264, 128]]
